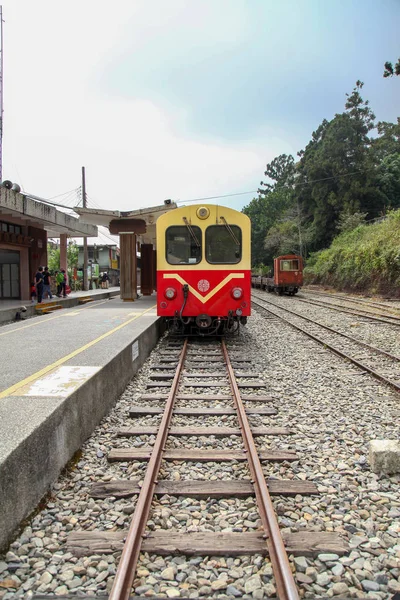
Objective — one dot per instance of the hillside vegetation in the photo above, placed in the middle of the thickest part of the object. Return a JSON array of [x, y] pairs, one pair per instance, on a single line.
[[350, 166], [365, 259]]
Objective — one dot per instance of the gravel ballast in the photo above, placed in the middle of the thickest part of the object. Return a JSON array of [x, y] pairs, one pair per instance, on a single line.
[[332, 410]]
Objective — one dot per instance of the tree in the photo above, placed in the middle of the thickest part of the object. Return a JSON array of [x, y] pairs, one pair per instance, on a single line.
[[349, 221], [337, 172], [53, 258], [291, 234], [263, 212], [344, 170], [389, 71], [281, 170]]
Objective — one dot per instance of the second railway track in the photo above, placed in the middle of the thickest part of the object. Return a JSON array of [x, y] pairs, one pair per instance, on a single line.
[[380, 364]]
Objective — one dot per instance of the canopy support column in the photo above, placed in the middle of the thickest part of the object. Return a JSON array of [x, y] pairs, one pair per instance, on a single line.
[[147, 269], [128, 266]]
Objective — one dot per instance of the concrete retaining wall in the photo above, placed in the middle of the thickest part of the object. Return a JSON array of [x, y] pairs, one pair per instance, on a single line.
[[27, 473]]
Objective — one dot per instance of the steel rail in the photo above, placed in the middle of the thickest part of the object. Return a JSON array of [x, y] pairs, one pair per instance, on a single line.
[[349, 337], [361, 301], [382, 378], [286, 587], [125, 574], [361, 313]]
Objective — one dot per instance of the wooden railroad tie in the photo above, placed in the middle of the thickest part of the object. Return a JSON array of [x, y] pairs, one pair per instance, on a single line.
[[203, 384], [138, 411], [199, 431], [196, 455], [171, 375], [124, 488], [204, 397], [165, 543]]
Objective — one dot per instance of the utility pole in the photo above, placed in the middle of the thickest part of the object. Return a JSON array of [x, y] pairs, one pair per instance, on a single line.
[[1, 93], [85, 248]]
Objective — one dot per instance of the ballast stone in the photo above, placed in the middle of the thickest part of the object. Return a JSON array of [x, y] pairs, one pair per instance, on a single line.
[[384, 456]]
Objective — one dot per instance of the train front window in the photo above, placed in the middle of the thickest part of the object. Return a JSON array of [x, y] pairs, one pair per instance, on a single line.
[[223, 244], [290, 265], [183, 245]]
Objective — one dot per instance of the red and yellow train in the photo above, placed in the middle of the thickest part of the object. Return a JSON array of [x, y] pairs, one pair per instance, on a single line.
[[203, 269]]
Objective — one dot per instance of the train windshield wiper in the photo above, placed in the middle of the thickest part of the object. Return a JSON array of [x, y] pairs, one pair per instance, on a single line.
[[229, 228], [192, 233]]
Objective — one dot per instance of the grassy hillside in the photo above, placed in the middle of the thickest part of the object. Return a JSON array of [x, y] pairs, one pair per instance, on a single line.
[[365, 259]]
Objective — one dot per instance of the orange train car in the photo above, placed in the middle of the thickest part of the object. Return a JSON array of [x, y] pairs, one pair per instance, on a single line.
[[287, 277], [203, 269]]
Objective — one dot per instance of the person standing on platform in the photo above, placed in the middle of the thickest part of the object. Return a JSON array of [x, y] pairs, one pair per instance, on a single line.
[[59, 278], [39, 284], [47, 284], [33, 292], [64, 283], [104, 281]]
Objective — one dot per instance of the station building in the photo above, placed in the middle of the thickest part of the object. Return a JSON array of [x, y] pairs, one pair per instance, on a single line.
[[25, 226], [103, 256]]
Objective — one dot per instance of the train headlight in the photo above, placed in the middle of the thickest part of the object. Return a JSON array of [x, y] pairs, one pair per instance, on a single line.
[[203, 212], [170, 293], [237, 293]]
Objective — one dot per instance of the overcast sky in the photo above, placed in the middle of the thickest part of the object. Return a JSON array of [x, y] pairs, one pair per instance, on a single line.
[[181, 99]]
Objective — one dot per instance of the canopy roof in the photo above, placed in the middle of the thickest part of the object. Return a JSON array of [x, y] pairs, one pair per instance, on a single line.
[[149, 215]]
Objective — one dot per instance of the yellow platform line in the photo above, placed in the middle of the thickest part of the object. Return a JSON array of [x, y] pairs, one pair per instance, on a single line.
[[64, 359], [40, 322]]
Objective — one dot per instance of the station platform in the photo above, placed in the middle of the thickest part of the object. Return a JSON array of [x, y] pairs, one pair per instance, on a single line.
[[61, 373], [9, 308]]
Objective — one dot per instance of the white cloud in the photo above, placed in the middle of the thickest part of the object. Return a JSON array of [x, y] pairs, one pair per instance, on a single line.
[[57, 118]]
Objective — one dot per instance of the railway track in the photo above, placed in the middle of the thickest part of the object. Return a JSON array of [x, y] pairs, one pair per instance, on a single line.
[[364, 355], [377, 316], [183, 373], [362, 301]]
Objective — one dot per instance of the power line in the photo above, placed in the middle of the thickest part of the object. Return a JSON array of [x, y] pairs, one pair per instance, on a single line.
[[214, 197], [300, 184], [65, 193]]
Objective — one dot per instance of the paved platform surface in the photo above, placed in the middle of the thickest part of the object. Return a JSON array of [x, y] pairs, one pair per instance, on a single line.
[[9, 308], [29, 347], [60, 375]]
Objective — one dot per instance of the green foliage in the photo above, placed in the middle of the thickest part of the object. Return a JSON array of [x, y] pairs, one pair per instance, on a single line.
[[344, 170], [53, 258], [349, 221], [389, 71], [264, 212], [365, 258]]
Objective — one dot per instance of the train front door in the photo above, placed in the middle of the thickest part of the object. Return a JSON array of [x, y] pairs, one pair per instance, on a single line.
[[9, 275]]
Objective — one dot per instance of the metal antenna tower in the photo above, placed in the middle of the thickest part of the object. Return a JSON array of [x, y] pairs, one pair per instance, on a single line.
[[1, 93]]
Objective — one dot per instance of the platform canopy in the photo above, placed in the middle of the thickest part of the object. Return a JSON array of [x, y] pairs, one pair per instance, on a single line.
[[31, 211], [141, 221]]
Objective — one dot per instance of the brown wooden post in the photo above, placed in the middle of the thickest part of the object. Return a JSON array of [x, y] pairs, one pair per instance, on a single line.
[[128, 276], [155, 270], [146, 272], [127, 230], [63, 252]]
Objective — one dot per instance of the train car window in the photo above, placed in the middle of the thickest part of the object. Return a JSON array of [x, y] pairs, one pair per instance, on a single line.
[[290, 265], [221, 246], [181, 248]]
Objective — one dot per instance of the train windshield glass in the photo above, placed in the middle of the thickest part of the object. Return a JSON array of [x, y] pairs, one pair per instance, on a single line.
[[290, 265], [183, 245], [223, 244]]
